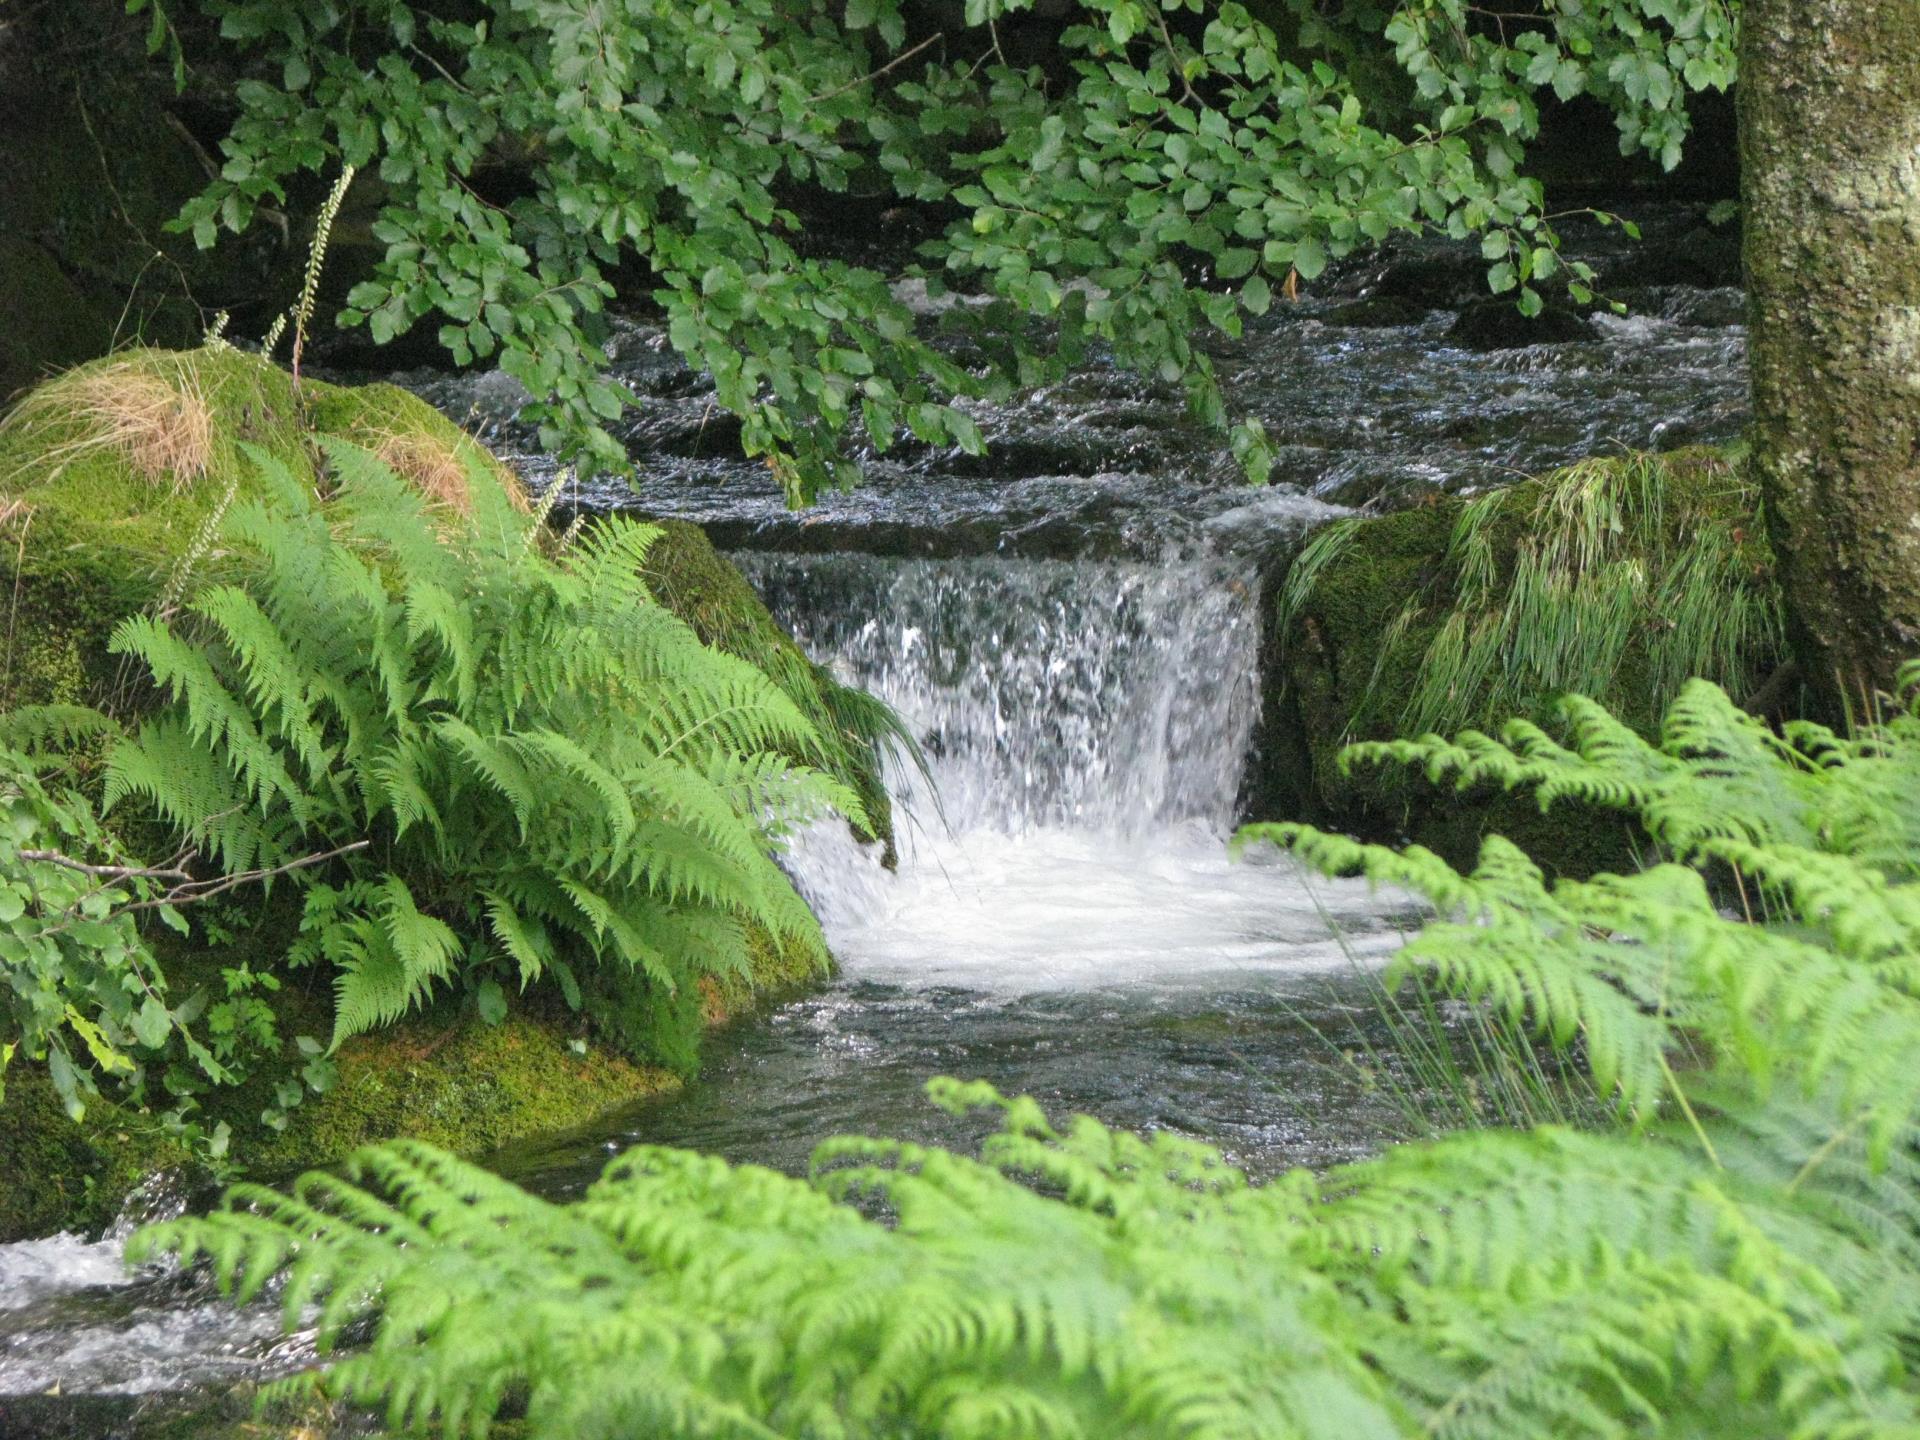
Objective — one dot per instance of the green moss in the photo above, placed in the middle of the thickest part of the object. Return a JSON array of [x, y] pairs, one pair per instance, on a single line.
[[457, 1082], [443, 1076], [63, 1176], [775, 972], [1437, 618]]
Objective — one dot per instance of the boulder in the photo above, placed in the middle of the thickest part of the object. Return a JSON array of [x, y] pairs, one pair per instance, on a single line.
[[1378, 312], [1445, 616], [1497, 324]]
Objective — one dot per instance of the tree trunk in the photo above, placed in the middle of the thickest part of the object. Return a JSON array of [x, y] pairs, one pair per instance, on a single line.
[[1830, 160]]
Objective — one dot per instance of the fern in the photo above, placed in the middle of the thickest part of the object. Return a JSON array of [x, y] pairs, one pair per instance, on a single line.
[[1740, 1256], [554, 772]]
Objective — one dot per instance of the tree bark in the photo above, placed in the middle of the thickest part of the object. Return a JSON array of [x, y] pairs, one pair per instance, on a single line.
[[1830, 164]]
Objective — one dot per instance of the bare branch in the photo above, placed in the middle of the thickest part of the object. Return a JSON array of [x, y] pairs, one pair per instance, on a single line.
[[188, 891]]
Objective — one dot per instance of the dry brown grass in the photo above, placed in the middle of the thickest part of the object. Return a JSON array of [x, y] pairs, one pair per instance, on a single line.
[[433, 467], [157, 420]]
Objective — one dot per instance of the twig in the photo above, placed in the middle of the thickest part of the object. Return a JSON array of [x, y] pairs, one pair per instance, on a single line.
[[1173, 54], [190, 891], [892, 64], [113, 872]]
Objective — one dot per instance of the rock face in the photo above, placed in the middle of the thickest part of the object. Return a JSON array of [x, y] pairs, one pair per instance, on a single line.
[[1445, 617], [113, 478], [94, 163]]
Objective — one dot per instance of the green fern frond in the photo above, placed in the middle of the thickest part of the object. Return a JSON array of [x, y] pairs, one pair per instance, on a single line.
[[1742, 1257], [525, 737], [394, 955]]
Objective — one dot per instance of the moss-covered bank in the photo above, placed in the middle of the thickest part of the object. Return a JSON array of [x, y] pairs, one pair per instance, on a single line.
[[1618, 578], [113, 478], [447, 1078]]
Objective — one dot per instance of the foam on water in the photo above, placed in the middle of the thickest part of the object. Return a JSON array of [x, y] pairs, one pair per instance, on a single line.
[[34, 1269]]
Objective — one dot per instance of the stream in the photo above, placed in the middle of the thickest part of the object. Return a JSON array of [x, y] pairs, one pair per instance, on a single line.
[[1071, 627]]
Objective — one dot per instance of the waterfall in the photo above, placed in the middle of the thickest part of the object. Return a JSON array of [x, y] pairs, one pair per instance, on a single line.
[[1085, 726], [1110, 698]]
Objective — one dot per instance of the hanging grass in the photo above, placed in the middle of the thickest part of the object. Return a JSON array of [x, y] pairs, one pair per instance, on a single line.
[[1617, 578], [150, 413]]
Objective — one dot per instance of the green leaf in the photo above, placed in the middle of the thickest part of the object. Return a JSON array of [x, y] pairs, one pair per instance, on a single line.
[[152, 1023], [490, 1001], [1310, 258]]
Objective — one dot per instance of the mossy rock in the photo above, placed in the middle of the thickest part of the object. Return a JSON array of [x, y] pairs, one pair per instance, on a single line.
[[1415, 622], [113, 478], [447, 1078], [114, 475]]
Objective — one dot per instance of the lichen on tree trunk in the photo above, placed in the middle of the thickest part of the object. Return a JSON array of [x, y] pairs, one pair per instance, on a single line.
[[1830, 160]]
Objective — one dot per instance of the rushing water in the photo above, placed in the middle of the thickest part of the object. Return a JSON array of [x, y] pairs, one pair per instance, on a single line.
[[1070, 628]]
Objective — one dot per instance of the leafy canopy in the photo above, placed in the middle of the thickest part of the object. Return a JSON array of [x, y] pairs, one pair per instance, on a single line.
[[551, 773], [1171, 167], [1739, 1257]]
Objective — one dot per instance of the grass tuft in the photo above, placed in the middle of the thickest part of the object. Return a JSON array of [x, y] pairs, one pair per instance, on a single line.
[[156, 418], [1615, 578], [433, 468]]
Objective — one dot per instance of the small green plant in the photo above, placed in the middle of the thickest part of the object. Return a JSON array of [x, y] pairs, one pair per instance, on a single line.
[[1738, 1255], [524, 764], [302, 312], [1443, 1066]]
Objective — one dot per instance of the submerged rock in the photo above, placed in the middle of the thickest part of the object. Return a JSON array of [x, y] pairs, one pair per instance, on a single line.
[[1498, 325], [1378, 312]]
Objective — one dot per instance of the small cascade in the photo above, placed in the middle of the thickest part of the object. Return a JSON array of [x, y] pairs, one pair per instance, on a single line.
[[1111, 698], [1085, 727], [74, 1318]]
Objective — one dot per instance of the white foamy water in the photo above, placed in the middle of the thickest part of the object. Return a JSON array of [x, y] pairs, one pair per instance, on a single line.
[[75, 1318], [1086, 727], [1055, 909], [34, 1269]]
